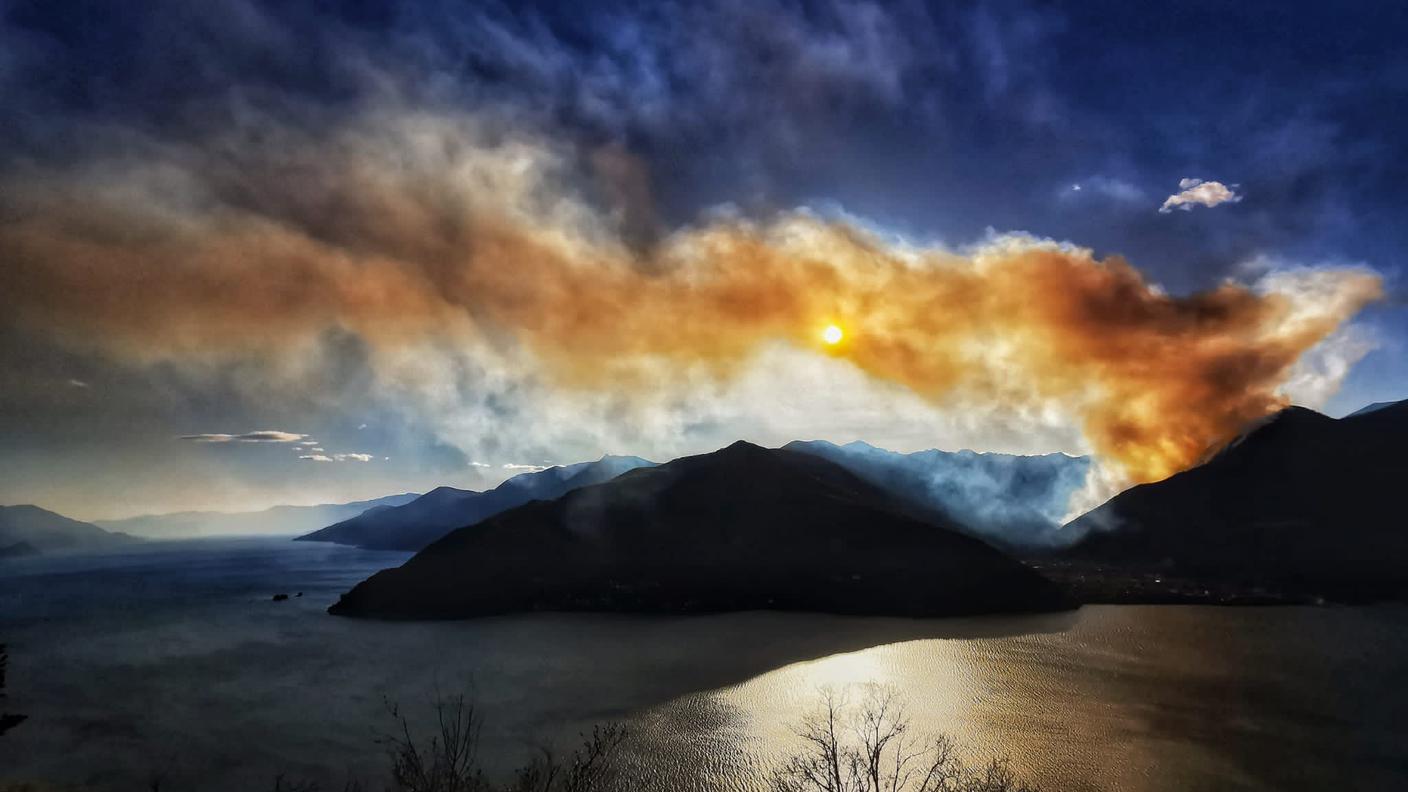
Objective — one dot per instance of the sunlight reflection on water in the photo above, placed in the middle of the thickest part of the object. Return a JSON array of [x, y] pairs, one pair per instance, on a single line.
[[122, 665], [1128, 699]]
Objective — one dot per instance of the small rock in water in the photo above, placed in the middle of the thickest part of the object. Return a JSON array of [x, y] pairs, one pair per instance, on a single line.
[[280, 597]]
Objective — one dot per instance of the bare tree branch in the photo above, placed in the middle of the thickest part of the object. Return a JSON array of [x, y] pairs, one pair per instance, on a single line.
[[876, 750]]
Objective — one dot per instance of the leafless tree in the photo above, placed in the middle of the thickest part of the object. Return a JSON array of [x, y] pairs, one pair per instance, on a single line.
[[877, 750], [591, 768], [997, 776], [449, 762]]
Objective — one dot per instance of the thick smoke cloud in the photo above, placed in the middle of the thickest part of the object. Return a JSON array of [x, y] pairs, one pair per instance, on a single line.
[[458, 235]]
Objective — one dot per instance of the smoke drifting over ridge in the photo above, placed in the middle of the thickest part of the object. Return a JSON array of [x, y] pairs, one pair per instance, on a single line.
[[446, 231]]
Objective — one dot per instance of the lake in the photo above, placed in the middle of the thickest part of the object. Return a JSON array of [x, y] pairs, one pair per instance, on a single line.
[[173, 661]]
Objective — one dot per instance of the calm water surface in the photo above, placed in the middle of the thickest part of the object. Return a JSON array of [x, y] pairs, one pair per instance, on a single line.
[[174, 661]]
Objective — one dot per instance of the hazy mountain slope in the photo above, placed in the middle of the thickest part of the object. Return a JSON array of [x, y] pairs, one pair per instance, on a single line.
[[1017, 502], [741, 528], [1368, 408], [1301, 501], [431, 516], [30, 530], [279, 520], [388, 526]]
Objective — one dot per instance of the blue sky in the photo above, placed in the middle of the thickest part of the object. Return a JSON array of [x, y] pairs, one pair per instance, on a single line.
[[933, 124]]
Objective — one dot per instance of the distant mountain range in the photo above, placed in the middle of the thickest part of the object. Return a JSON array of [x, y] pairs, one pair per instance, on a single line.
[[741, 528], [1368, 408], [1300, 502], [276, 521], [413, 525], [30, 530], [1012, 501]]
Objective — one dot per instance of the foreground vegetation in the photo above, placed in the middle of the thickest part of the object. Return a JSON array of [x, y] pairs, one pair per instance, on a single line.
[[877, 749], [872, 747]]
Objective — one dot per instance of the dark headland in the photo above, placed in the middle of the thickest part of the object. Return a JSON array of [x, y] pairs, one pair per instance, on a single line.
[[1301, 507], [742, 528]]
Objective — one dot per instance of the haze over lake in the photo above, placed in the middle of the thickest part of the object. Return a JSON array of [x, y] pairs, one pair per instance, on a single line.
[[174, 659]]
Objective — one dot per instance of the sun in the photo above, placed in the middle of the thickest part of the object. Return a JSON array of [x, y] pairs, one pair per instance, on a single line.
[[832, 335]]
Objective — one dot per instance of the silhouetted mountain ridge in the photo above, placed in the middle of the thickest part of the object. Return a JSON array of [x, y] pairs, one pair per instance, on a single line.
[[1301, 501], [416, 524], [741, 528]]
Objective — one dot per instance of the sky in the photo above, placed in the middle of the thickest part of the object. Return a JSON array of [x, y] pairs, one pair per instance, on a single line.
[[269, 252]]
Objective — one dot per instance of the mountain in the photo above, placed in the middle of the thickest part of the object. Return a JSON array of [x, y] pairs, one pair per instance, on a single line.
[[30, 530], [275, 521], [1299, 503], [742, 528], [1015, 502], [1368, 408], [414, 525]]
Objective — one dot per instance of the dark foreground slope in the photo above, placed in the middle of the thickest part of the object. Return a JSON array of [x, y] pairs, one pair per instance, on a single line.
[[741, 528], [414, 525], [1303, 504], [30, 530]]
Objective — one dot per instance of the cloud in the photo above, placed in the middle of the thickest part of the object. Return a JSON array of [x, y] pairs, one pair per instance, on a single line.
[[480, 464], [314, 213], [77, 383], [491, 280], [519, 467], [1196, 192], [338, 457], [260, 436], [1107, 187]]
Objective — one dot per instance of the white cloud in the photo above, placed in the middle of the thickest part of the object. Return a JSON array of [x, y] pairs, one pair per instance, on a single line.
[[1317, 376], [529, 468], [480, 464], [77, 383], [1200, 193], [338, 457], [257, 436]]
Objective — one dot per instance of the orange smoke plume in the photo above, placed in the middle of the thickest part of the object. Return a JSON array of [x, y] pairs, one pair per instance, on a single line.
[[468, 251], [1156, 380]]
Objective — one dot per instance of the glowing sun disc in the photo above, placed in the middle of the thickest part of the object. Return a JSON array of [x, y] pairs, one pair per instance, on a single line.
[[832, 334]]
